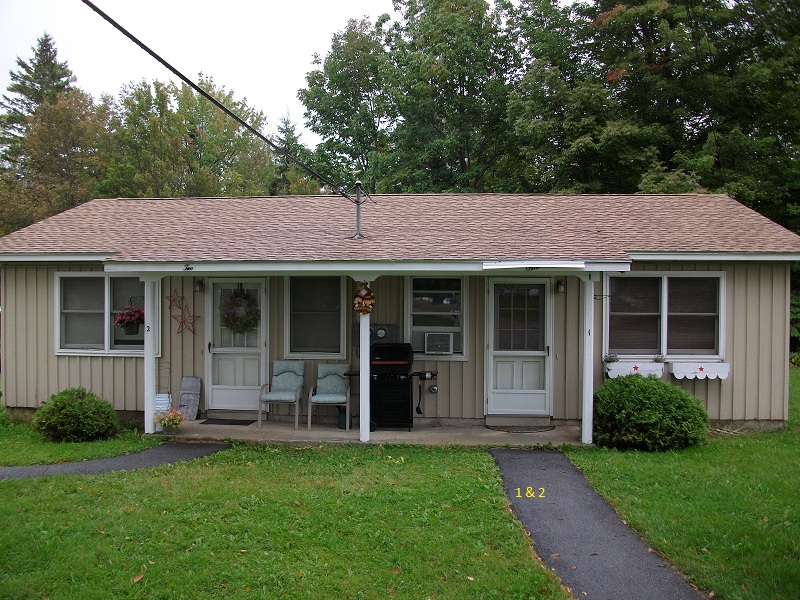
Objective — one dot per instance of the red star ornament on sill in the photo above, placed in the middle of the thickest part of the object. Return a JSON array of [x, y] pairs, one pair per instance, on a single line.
[[185, 320], [174, 299]]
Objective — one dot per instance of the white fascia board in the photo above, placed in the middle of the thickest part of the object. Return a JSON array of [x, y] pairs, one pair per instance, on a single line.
[[574, 265], [560, 267], [55, 257], [364, 270], [292, 267], [716, 256]]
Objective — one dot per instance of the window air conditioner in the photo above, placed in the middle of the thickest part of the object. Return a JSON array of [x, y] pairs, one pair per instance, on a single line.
[[438, 343]]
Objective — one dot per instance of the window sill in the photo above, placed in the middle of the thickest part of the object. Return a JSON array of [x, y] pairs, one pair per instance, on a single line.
[[124, 353], [634, 367], [699, 370]]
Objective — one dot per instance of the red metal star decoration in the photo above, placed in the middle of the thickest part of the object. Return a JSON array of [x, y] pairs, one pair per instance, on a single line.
[[635, 367], [174, 299], [185, 320], [701, 369]]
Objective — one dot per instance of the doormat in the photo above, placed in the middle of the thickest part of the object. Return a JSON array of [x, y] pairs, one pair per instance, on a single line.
[[520, 428], [228, 422]]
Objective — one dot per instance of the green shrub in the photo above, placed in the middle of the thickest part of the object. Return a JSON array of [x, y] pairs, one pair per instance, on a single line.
[[75, 415], [646, 413]]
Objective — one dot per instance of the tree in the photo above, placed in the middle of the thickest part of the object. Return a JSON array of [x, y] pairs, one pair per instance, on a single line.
[[348, 102], [40, 80], [292, 178], [60, 163], [451, 60], [168, 141]]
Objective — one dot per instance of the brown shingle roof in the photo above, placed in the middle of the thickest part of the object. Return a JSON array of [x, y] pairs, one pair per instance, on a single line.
[[404, 227]]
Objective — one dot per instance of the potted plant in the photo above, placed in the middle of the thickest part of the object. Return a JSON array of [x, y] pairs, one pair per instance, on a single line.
[[170, 420], [130, 318]]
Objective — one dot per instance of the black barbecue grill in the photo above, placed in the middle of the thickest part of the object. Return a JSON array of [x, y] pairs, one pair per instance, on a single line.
[[390, 385]]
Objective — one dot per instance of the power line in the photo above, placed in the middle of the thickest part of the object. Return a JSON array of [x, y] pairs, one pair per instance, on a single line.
[[285, 153]]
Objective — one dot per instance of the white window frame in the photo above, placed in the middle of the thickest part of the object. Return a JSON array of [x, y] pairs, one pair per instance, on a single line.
[[664, 312], [287, 322], [409, 314], [106, 350]]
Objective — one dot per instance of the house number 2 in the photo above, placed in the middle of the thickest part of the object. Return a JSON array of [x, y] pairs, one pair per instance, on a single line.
[[147, 327], [530, 492]]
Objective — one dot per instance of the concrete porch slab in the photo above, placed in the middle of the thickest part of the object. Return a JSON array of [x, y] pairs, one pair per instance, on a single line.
[[280, 432]]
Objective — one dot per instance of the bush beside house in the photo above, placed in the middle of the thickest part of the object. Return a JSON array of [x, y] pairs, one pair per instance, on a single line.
[[76, 415], [646, 413]]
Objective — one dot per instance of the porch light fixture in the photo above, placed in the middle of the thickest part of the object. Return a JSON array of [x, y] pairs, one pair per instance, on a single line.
[[561, 286], [199, 286]]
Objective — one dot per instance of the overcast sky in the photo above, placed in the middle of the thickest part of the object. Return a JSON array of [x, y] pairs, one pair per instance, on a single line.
[[260, 49]]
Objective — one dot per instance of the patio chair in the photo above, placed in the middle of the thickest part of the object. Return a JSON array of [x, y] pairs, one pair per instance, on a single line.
[[286, 387], [332, 389]]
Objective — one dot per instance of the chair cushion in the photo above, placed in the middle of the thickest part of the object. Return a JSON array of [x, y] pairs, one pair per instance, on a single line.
[[329, 399], [289, 366], [331, 379], [286, 382], [279, 397]]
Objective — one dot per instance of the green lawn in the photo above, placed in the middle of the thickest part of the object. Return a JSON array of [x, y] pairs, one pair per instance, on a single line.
[[21, 445], [727, 514], [266, 521], [376, 522]]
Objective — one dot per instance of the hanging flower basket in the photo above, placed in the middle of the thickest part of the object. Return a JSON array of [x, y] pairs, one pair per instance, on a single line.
[[240, 312], [130, 318]]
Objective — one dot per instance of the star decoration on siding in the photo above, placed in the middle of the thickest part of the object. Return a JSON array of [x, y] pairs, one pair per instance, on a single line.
[[635, 367], [185, 320], [174, 299]]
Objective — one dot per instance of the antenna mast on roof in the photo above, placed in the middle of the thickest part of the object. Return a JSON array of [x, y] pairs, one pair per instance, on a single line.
[[358, 202]]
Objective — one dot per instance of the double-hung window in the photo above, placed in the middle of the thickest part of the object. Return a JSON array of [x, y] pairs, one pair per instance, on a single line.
[[315, 317], [673, 315], [436, 311], [86, 308]]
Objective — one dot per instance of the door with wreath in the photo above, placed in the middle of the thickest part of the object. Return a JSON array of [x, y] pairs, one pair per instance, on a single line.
[[236, 349]]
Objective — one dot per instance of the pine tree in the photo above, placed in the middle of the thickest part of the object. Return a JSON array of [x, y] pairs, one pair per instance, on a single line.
[[42, 79]]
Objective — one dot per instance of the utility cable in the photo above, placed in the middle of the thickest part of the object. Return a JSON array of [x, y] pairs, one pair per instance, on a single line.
[[285, 153]]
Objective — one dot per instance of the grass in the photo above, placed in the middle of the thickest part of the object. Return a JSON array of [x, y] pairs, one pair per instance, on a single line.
[[727, 514], [21, 445], [376, 522], [273, 521]]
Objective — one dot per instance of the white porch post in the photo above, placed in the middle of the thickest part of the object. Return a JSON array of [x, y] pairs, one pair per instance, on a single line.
[[364, 368], [150, 333], [587, 383]]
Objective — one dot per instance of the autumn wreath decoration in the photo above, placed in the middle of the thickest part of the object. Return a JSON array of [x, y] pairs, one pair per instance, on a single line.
[[240, 312]]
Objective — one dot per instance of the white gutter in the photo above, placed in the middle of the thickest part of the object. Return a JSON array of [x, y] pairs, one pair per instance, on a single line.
[[578, 265], [716, 256], [368, 270], [55, 256]]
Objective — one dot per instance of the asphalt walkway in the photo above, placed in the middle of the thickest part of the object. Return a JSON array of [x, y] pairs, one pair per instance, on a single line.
[[578, 535], [152, 457]]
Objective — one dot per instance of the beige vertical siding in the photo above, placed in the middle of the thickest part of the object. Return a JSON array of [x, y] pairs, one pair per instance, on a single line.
[[182, 355], [31, 370], [757, 296], [756, 345]]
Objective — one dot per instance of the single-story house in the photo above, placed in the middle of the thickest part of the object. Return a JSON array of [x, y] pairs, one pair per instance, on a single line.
[[518, 302]]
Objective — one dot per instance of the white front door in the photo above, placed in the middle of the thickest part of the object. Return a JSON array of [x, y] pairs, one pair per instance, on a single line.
[[235, 334], [519, 348]]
